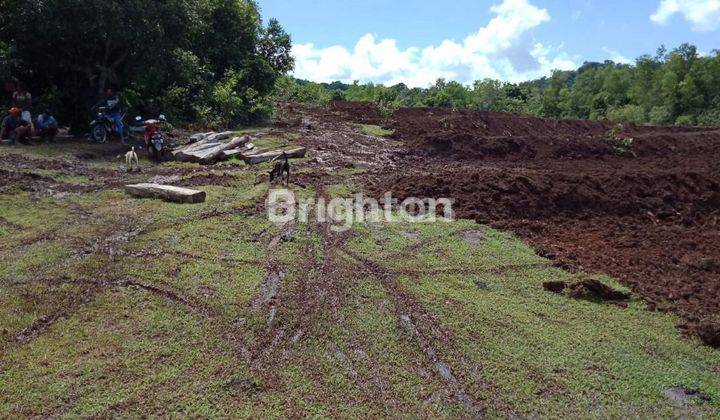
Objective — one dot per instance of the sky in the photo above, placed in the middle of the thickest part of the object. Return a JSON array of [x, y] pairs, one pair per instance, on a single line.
[[418, 41]]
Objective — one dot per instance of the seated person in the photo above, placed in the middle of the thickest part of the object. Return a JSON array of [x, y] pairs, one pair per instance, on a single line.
[[22, 99], [46, 127], [14, 128]]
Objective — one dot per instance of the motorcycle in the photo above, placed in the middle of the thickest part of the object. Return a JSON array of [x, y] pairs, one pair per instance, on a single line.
[[103, 126], [154, 138]]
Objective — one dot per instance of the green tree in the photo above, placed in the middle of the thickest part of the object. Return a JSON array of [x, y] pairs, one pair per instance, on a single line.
[[173, 51], [672, 87], [275, 46]]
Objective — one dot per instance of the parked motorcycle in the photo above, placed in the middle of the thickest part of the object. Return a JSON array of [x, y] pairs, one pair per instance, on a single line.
[[103, 126], [155, 141]]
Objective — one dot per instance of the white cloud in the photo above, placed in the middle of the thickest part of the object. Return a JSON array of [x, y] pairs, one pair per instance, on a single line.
[[703, 14], [617, 57], [503, 49]]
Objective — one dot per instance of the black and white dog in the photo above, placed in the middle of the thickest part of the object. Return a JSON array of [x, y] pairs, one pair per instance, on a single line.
[[280, 169]]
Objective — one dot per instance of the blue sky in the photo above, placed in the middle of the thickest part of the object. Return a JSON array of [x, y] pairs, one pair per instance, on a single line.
[[415, 42]]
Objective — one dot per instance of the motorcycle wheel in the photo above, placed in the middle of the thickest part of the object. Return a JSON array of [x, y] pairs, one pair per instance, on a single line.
[[127, 134], [98, 133], [157, 154]]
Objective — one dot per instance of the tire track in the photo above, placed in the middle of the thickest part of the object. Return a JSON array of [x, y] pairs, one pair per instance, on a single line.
[[425, 331]]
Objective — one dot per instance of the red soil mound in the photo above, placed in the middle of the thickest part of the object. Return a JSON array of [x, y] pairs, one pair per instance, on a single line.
[[645, 211], [361, 112], [467, 134]]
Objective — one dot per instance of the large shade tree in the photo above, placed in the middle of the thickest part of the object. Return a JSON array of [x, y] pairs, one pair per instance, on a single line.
[[160, 53]]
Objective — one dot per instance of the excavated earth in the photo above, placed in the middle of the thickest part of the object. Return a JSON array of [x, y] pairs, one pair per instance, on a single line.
[[643, 210]]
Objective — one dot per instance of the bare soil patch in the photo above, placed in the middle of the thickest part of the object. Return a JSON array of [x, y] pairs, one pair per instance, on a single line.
[[647, 215]]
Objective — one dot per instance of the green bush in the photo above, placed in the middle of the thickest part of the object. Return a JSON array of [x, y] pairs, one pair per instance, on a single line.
[[685, 120], [660, 115], [288, 90], [227, 99], [622, 145], [709, 118], [629, 113]]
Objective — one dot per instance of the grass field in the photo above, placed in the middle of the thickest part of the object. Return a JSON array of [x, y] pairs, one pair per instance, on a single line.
[[111, 305]]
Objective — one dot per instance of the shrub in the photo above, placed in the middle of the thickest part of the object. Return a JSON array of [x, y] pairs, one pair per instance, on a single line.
[[621, 145], [709, 118], [629, 113], [660, 115], [387, 108], [686, 120]]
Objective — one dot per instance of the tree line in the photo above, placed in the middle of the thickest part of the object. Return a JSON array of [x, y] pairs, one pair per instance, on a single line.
[[213, 62], [672, 87]]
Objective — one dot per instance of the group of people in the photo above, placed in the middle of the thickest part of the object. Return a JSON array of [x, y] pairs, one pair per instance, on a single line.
[[18, 124]]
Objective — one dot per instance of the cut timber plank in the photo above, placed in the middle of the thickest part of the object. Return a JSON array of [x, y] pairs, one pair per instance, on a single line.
[[298, 152], [243, 151], [200, 136], [255, 152], [232, 152], [166, 192], [205, 152], [212, 154], [214, 138]]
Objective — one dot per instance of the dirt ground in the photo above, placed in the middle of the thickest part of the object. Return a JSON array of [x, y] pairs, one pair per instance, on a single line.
[[117, 306], [646, 214]]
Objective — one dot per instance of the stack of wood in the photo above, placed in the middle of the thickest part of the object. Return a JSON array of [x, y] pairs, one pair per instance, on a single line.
[[213, 147], [209, 147]]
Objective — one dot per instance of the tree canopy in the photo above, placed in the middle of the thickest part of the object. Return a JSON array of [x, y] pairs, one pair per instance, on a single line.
[[206, 60]]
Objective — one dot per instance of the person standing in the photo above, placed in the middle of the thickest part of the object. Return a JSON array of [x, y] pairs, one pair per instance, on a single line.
[[22, 99]]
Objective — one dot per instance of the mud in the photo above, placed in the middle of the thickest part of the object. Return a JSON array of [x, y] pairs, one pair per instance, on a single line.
[[709, 331], [222, 179], [638, 203], [647, 214], [592, 290], [19, 173]]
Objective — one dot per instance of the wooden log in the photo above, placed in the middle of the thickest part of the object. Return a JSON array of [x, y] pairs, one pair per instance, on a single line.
[[200, 136], [202, 141], [243, 151], [213, 138], [207, 152], [199, 145], [254, 152], [213, 154], [184, 153], [178, 152], [232, 152], [254, 159], [166, 192]]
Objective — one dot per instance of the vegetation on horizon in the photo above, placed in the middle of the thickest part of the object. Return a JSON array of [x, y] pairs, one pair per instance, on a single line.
[[673, 87]]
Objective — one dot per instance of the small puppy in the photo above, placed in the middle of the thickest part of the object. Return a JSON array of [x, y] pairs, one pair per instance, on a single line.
[[131, 159], [280, 169]]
